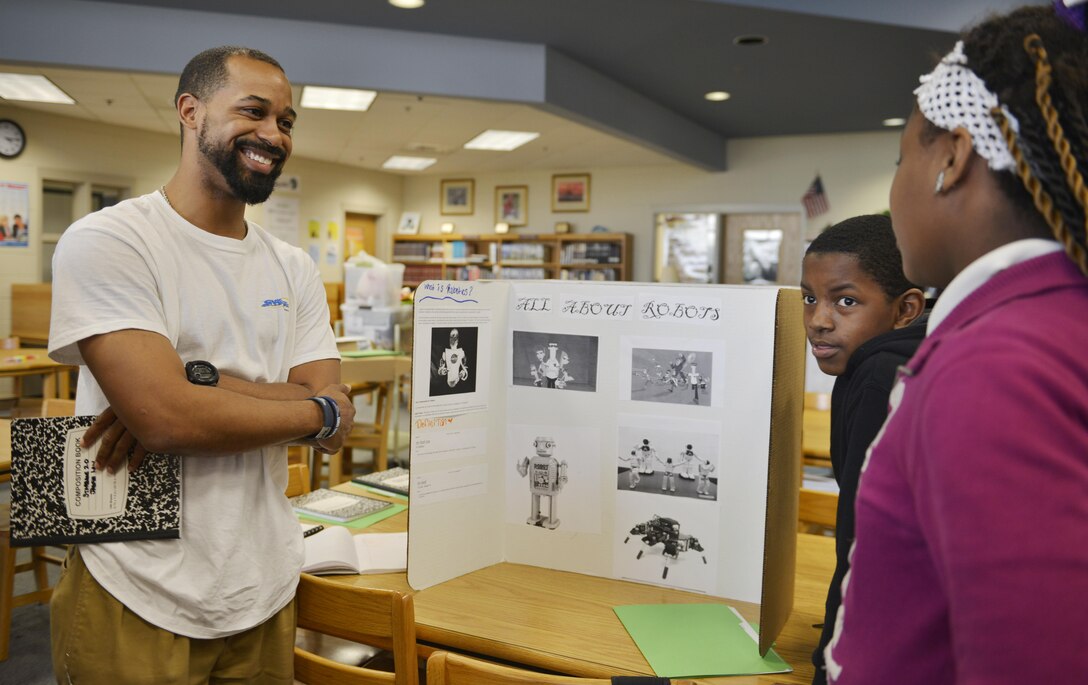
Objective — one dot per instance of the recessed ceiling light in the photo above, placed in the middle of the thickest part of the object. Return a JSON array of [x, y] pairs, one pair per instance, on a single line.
[[750, 40], [32, 88], [408, 163], [407, 4], [349, 99], [500, 140], [895, 121], [717, 96]]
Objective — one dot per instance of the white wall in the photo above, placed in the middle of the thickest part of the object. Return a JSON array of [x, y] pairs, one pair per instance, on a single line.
[[65, 148], [856, 170]]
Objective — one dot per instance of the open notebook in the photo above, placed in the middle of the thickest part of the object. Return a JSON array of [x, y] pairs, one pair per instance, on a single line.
[[335, 550]]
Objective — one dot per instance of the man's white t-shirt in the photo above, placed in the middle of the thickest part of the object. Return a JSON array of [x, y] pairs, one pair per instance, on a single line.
[[254, 308]]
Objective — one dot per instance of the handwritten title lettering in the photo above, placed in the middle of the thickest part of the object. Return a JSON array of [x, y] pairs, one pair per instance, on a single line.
[[598, 309], [533, 304], [687, 312]]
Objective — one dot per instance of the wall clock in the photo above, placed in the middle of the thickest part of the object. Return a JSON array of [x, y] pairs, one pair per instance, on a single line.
[[12, 139]]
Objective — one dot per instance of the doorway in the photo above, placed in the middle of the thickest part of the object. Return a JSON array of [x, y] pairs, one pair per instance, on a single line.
[[360, 234]]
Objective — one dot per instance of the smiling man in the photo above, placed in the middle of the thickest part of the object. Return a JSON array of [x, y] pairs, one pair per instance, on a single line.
[[197, 334], [858, 309]]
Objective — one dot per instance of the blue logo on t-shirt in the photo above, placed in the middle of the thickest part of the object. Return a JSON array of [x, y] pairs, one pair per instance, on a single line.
[[278, 303]]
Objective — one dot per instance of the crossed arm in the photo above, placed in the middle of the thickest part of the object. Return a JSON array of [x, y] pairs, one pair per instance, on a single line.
[[154, 408]]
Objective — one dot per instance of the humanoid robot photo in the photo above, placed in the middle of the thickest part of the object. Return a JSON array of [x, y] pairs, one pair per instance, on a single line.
[[668, 478], [705, 469], [561, 381], [547, 476], [550, 367], [646, 457], [537, 370], [697, 382], [689, 463], [632, 472], [453, 365], [665, 531]]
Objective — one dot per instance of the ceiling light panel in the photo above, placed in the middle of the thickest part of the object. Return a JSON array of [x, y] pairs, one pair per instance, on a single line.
[[31, 88], [403, 163], [346, 99], [500, 140], [717, 96]]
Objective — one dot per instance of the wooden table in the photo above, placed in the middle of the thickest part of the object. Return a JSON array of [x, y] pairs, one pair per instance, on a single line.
[[560, 621], [34, 361], [816, 435]]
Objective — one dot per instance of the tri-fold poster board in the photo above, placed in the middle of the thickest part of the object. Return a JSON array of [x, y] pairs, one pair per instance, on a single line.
[[641, 432]]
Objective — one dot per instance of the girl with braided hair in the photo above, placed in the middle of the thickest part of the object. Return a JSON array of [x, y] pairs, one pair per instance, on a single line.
[[970, 563]]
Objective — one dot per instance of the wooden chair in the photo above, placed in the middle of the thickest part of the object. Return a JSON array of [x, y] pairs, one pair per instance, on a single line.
[[38, 563], [816, 510], [385, 618], [448, 668], [298, 480], [52, 406]]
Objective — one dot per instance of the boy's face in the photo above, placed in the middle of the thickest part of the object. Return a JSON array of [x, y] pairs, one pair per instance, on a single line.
[[844, 307]]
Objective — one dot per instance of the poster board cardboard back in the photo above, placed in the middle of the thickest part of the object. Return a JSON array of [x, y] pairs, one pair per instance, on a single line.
[[505, 437]]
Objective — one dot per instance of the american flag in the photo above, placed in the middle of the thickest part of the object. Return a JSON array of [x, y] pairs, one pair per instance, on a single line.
[[814, 199]]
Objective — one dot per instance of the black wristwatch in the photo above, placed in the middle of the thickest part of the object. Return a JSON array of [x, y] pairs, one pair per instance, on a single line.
[[201, 372]]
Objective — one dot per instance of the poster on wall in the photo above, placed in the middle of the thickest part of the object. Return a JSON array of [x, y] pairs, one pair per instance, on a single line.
[[281, 218], [14, 214]]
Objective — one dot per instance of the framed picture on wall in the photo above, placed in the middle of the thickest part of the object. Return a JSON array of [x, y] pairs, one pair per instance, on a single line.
[[570, 193], [512, 205], [457, 196], [409, 223]]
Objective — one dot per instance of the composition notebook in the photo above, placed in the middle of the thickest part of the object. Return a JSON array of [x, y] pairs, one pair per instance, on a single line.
[[58, 497]]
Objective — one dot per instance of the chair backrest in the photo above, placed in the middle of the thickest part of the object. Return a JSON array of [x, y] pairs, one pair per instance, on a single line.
[[383, 618], [448, 668], [298, 480], [51, 406], [817, 508]]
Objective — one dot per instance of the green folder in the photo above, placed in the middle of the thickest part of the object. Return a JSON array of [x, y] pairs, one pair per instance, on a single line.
[[697, 640]]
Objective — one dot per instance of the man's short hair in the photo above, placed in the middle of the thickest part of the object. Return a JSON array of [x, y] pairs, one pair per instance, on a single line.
[[871, 240], [207, 72]]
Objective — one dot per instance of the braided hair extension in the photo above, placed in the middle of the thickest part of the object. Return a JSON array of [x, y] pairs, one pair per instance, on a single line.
[[1037, 65], [1042, 199], [1033, 44]]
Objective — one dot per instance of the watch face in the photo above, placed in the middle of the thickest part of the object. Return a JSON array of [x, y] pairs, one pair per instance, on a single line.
[[12, 138], [202, 373]]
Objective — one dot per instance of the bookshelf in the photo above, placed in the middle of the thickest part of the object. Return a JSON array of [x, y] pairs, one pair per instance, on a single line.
[[586, 256]]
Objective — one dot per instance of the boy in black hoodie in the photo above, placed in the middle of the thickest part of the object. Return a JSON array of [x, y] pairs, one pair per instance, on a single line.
[[863, 319]]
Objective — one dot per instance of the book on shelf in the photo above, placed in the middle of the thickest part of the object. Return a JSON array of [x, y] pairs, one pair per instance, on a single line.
[[643, 432], [393, 480], [58, 496], [330, 505], [334, 550]]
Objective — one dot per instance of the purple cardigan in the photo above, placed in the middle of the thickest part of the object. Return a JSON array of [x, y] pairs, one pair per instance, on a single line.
[[971, 560]]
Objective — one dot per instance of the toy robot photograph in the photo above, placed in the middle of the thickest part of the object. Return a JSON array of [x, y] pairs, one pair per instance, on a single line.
[[453, 360], [673, 464], [547, 476], [663, 531], [671, 376], [554, 361], [553, 478]]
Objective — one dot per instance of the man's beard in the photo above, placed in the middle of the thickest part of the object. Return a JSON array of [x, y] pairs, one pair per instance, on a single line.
[[251, 188]]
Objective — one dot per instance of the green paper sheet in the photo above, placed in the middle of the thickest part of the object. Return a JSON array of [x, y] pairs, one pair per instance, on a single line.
[[362, 354], [361, 522], [696, 640]]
